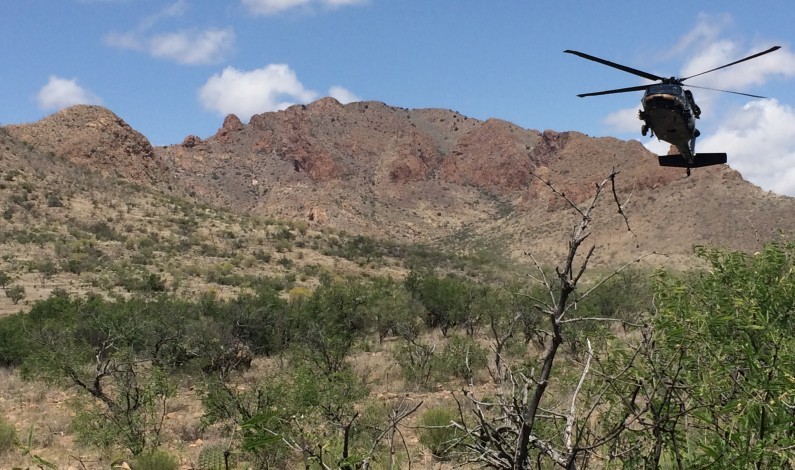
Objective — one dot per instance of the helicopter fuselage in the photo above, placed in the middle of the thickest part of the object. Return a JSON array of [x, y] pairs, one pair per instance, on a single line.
[[668, 112]]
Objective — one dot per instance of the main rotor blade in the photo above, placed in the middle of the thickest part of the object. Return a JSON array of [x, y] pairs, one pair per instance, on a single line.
[[624, 68], [618, 90], [726, 91], [774, 48]]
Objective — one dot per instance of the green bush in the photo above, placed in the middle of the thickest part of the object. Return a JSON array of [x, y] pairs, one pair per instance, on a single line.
[[14, 345], [463, 357], [436, 433]]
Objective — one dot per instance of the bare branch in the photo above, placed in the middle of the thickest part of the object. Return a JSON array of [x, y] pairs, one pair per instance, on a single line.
[[604, 319], [400, 412], [618, 203], [557, 192], [572, 409], [616, 272]]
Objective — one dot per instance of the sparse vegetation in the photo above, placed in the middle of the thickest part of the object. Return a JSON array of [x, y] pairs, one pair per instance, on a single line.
[[8, 436], [150, 322]]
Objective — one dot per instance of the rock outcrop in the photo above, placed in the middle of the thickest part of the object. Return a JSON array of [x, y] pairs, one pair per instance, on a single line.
[[97, 138]]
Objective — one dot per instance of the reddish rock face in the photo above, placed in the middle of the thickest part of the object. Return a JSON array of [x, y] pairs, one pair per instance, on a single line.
[[231, 125], [496, 155], [191, 141], [326, 141], [97, 138]]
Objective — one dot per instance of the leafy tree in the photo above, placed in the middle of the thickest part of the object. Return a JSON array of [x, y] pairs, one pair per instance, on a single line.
[[260, 320], [719, 380], [449, 301], [329, 322], [296, 410], [104, 350], [390, 307], [15, 345]]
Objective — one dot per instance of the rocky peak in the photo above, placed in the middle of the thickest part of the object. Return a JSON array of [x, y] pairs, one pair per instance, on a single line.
[[231, 125], [97, 138]]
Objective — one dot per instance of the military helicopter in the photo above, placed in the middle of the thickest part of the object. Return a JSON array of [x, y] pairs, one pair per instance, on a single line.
[[670, 112]]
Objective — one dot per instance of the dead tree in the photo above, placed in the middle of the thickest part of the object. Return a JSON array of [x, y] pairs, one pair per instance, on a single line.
[[503, 433]]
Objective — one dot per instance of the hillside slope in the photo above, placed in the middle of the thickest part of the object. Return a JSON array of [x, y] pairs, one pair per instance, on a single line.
[[429, 176]]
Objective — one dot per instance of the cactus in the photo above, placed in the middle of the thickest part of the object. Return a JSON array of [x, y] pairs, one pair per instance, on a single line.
[[214, 457]]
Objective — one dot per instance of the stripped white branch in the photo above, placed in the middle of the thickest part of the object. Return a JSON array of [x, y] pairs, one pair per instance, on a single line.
[[570, 418]]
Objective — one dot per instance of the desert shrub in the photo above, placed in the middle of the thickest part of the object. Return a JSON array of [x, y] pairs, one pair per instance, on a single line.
[[103, 231], [131, 416], [392, 310], [260, 321], [462, 357], [449, 301], [79, 256], [302, 405], [419, 363], [156, 460], [263, 256], [122, 397], [53, 200], [8, 436], [5, 279], [152, 282], [15, 293], [436, 434], [14, 346], [45, 267], [330, 322]]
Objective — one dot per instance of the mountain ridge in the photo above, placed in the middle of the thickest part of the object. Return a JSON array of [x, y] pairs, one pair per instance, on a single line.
[[429, 176]]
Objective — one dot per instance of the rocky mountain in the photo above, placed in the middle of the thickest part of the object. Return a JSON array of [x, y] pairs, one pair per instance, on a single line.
[[431, 176], [97, 138]]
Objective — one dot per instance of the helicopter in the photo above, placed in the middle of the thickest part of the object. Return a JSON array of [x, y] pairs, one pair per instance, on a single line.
[[670, 112]]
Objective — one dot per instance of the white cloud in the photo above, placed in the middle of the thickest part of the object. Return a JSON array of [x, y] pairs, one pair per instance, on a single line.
[[342, 95], [129, 40], [623, 120], [715, 50], [246, 93], [196, 47], [193, 48], [759, 141], [60, 93], [272, 7], [706, 30], [657, 146]]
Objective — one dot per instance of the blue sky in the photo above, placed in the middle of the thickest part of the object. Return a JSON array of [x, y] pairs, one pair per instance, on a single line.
[[177, 67]]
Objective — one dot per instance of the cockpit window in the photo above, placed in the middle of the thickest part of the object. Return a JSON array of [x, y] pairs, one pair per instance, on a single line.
[[667, 89]]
